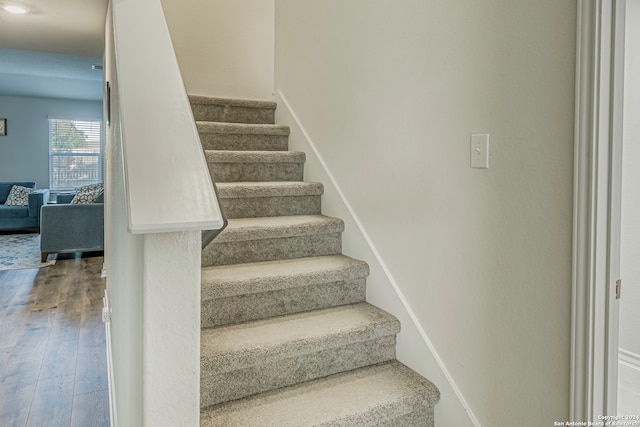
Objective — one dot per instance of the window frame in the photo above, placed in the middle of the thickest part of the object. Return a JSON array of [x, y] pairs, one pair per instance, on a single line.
[[95, 122]]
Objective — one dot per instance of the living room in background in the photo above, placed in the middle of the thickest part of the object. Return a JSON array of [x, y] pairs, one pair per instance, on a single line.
[[75, 153]]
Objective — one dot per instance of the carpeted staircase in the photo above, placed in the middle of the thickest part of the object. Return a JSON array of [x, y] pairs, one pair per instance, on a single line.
[[287, 337]]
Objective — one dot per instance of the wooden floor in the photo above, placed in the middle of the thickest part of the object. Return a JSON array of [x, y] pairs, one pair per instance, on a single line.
[[53, 369]]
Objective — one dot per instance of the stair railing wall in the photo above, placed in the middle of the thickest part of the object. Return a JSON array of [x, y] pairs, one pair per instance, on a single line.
[[158, 198]]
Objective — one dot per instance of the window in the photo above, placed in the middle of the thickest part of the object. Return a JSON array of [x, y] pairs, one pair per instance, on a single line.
[[75, 153]]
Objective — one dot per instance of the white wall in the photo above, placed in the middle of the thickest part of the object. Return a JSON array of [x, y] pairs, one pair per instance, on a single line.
[[629, 312], [124, 264], [224, 47], [24, 151], [390, 93], [629, 370], [153, 277]]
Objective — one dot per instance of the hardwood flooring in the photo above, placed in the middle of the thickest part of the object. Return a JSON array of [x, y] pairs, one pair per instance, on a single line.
[[53, 369]]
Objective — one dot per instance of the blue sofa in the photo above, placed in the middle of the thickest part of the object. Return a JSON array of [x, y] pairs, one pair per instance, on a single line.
[[69, 227], [21, 217]]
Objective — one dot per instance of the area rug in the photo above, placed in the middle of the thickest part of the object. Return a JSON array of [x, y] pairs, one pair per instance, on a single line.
[[22, 251]]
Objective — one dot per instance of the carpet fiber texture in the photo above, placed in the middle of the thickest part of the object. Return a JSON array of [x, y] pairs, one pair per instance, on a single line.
[[19, 251], [288, 339]]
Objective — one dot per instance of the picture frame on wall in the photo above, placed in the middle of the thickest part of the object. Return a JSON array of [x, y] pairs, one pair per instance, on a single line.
[[3, 127]]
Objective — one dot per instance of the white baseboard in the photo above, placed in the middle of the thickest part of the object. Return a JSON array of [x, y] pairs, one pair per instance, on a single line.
[[111, 388], [357, 243], [629, 370], [628, 383]]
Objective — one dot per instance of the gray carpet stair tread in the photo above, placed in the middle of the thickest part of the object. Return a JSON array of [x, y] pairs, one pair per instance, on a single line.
[[237, 190], [363, 397], [242, 128], [257, 277], [287, 338], [234, 347], [227, 110], [223, 156], [252, 166], [242, 229], [242, 103]]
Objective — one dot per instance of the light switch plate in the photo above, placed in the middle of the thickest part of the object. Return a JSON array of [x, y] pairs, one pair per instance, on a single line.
[[480, 151]]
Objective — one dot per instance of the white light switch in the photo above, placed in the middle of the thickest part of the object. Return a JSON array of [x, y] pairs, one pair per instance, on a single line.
[[480, 151]]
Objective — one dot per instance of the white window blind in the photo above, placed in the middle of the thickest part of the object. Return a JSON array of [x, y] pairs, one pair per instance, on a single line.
[[75, 153]]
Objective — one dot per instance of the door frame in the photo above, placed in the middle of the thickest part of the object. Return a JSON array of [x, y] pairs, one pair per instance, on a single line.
[[597, 208]]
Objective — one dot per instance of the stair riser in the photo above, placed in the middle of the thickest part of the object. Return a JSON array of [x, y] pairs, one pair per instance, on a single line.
[[231, 114], [224, 253], [271, 206], [291, 342], [379, 395], [256, 172], [422, 416], [249, 142], [246, 382], [243, 308]]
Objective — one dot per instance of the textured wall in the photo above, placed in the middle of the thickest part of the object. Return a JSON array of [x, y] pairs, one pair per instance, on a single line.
[[390, 93], [153, 280], [224, 47], [24, 151]]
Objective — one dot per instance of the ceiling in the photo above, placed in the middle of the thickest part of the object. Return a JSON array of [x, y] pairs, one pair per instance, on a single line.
[[50, 50]]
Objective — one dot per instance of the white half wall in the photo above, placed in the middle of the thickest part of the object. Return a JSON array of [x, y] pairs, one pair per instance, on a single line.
[[390, 93], [224, 47], [24, 151], [153, 279]]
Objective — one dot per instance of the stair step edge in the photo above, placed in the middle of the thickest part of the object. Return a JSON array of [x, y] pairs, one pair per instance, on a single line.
[[242, 229], [234, 347], [358, 397], [241, 279], [238, 190], [242, 128], [233, 102], [228, 156]]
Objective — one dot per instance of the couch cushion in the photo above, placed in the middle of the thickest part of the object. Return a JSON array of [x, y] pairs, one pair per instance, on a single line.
[[18, 196], [65, 198], [71, 228], [5, 188], [14, 211]]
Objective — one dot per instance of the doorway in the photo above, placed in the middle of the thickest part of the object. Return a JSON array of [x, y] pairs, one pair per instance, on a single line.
[[629, 326]]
